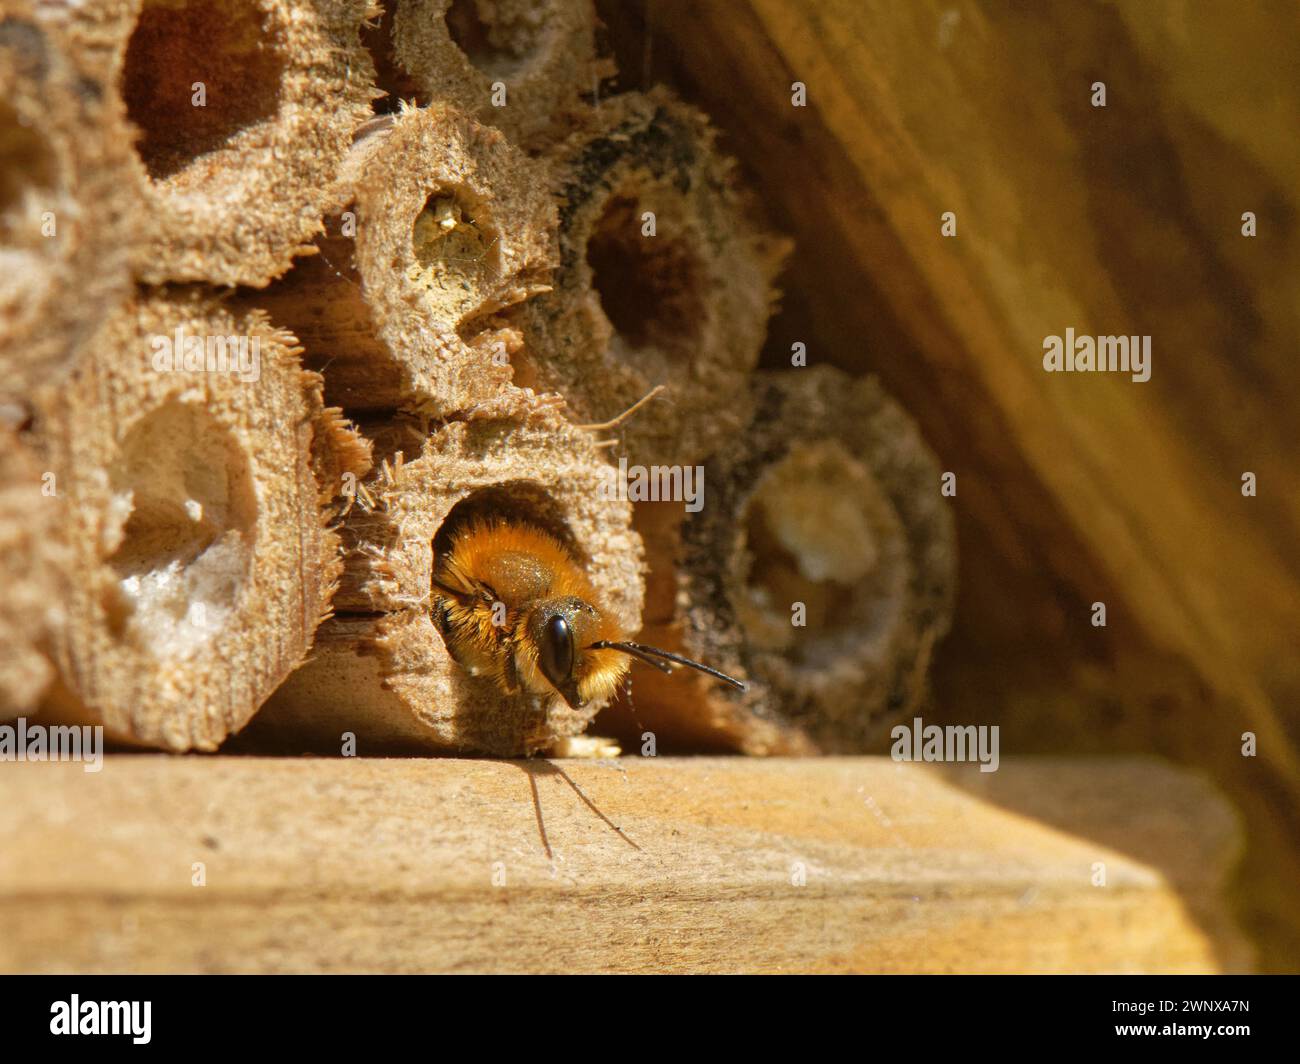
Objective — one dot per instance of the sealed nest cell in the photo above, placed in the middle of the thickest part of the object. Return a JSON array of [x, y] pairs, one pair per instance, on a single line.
[[199, 470], [68, 227], [440, 226], [821, 569], [665, 279], [381, 670], [244, 109], [522, 66]]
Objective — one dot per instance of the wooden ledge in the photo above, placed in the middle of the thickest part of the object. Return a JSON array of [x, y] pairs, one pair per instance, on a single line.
[[847, 864]]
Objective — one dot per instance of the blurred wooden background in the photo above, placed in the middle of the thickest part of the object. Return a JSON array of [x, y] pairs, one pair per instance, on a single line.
[[1127, 219]]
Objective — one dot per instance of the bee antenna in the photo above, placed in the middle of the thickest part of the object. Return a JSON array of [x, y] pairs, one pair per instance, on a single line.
[[650, 656], [626, 649]]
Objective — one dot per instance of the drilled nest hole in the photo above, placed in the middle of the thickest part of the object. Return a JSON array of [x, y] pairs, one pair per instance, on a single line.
[[819, 532], [29, 176], [500, 38], [457, 253], [520, 501], [230, 46], [650, 286], [185, 513]]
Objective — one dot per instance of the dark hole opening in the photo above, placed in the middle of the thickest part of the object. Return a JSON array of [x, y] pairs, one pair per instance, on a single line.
[[228, 45], [649, 286]]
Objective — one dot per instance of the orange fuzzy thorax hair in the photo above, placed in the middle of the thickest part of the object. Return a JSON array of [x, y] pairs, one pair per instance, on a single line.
[[516, 560]]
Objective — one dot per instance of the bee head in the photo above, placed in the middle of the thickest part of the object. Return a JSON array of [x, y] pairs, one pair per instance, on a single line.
[[571, 647], [560, 634]]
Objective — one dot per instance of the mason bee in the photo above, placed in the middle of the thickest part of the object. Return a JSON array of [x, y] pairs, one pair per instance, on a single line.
[[513, 604]]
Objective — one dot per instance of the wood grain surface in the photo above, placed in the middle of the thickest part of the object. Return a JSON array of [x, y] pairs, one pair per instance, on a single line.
[[637, 865]]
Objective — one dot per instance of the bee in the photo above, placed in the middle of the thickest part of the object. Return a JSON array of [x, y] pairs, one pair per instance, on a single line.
[[513, 604]]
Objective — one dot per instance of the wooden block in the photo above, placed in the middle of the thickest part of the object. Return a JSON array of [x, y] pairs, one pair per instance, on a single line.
[[437, 224], [202, 475], [523, 66], [820, 568], [381, 669], [35, 571], [245, 112], [665, 279], [69, 228], [488, 866]]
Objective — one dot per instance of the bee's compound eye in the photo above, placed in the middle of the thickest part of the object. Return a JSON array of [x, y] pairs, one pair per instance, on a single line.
[[556, 650]]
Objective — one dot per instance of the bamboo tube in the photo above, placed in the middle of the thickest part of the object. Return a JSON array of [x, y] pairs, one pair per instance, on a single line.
[[830, 501], [245, 109], [198, 506], [34, 572], [380, 669], [686, 307], [522, 66], [67, 223], [438, 224]]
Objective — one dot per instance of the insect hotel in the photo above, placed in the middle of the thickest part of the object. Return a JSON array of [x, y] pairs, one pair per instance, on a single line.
[[554, 486]]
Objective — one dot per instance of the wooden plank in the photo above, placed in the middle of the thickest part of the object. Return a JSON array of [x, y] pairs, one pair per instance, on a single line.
[[389, 865]]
